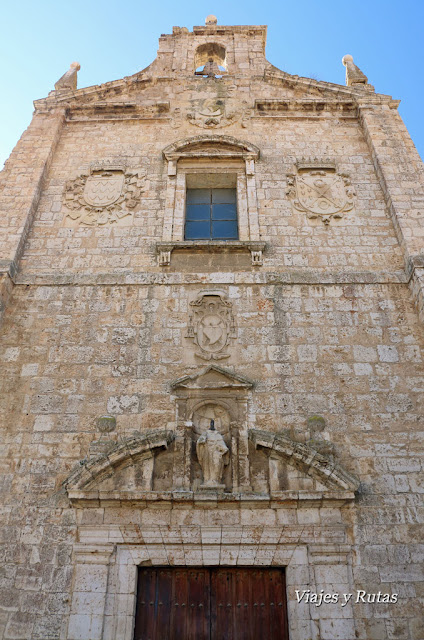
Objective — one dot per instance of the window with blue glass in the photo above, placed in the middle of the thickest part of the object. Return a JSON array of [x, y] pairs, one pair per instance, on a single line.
[[211, 214]]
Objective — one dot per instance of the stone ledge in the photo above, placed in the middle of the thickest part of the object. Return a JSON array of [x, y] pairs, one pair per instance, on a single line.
[[165, 249], [141, 499], [146, 278]]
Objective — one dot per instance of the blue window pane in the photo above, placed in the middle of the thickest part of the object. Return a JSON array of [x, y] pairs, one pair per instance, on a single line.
[[198, 230], [198, 196], [224, 212], [224, 196], [211, 214], [198, 212], [224, 230]]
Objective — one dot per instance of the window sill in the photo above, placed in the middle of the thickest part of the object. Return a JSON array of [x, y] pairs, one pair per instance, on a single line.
[[164, 249]]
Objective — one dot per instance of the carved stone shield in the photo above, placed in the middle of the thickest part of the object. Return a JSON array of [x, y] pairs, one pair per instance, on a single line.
[[215, 113], [105, 193], [321, 193], [103, 189], [212, 332], [211, 324]]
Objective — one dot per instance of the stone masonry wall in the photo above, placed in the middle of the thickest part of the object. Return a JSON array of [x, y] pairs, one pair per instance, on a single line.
[[352, 354], [327, 328], [363, 240]]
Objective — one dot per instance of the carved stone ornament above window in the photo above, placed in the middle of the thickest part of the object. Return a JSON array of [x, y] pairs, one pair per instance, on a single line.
[[106, 193], [165, 249], [216, 113], [319, 190]]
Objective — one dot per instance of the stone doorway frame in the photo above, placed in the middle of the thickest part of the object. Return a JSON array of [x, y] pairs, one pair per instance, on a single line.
[[105, 574]]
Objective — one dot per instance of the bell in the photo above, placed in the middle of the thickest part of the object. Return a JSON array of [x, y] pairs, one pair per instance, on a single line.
[[211, 69]]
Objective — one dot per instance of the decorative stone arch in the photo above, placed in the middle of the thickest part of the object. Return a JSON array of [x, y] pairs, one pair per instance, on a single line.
[[207, 159], [84, 480], [225, 145], [308, 460]]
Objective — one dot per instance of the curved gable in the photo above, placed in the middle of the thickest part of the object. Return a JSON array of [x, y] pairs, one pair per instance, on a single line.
[[305, 458], [127, 451]]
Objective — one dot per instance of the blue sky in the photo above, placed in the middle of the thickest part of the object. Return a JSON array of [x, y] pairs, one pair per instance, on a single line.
[[40, 39]]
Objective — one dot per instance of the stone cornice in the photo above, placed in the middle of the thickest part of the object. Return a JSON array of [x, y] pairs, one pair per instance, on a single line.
[[322, 89], [94, 498], [146, 278]]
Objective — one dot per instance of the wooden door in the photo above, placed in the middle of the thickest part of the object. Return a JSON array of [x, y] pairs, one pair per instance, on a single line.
[[248, 604], [211, 604]]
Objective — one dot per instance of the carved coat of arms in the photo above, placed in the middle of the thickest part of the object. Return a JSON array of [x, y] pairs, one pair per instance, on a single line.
[[215, 113], [211, 325], [107, 193], [320, 191]]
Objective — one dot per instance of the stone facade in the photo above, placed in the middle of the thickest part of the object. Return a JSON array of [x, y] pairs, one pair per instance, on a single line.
[[302, 339]]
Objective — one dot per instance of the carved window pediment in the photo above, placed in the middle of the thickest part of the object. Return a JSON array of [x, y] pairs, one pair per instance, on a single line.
[[211, 146]]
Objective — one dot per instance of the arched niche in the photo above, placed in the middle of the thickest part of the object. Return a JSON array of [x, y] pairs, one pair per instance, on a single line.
[[201, 417], [212, 393], [210, 52]]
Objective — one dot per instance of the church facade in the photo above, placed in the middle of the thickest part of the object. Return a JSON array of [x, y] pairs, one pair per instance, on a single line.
[[212, 279]]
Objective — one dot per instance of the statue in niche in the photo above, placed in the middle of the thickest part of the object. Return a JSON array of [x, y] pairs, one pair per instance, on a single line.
[[212, 453]]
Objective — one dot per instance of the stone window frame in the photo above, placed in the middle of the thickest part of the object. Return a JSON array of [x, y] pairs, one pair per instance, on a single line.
[[211, 154], [106, 568]]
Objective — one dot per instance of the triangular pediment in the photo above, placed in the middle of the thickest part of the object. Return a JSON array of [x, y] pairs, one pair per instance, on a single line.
[[212, 377], [163, 70], [128, 95]]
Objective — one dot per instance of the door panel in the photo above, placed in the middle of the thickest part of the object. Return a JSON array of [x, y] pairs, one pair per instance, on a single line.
[[211, 604]]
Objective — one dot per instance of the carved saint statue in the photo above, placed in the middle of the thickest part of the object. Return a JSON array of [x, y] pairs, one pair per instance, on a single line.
[[212, 453]]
